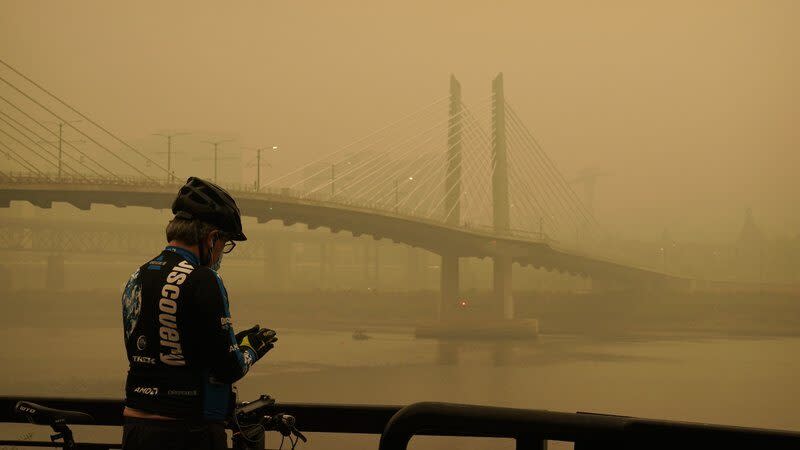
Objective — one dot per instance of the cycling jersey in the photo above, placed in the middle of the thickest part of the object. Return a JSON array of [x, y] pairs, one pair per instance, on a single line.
[[179, 337]]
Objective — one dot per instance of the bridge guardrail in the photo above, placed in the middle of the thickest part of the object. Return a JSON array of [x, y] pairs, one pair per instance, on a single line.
[[326, 200], [530, 428]]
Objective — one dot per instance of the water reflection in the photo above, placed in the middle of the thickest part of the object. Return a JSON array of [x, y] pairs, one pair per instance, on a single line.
[[449, 351]]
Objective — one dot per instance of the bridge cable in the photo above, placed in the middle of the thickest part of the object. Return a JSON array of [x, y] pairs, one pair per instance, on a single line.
[[558, 208], [576, 222], [27, 164], [26, 146], [359, 152], [396, 146], [402, 144], [425, 179], [388, 178], [85, 118], [563, 183], [402, 119], [426, 154], [525, 199], [448, 171], [56, 135], [549, 182], [67, 123], [40, 145], [477, 131]]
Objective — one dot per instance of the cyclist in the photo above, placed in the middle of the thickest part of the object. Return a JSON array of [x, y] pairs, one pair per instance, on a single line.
[[183, 353]]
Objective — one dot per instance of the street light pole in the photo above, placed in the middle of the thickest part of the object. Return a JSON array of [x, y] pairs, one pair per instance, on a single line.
[[60, 142], [60, 138], [169, 137], [258, 165], [216, 155], [396, 196]]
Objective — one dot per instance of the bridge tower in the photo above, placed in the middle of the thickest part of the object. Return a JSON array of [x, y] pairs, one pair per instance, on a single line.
[[500, 202], [449, 272]]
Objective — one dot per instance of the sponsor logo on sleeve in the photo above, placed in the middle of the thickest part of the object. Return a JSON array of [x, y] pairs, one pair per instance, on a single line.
[[144, 360], [146, 390]]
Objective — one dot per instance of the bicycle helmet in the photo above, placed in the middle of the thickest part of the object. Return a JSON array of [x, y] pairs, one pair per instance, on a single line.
[[205, 201]]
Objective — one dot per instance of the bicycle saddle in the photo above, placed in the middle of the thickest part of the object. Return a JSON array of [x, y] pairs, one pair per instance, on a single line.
[[42, 415]]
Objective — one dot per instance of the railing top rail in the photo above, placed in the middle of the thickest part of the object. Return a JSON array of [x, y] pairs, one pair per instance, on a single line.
[[323, 200], [604, 431], [398, 424]]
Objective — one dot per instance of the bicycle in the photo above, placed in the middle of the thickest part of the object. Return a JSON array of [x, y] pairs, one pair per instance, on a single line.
[[250, 422]]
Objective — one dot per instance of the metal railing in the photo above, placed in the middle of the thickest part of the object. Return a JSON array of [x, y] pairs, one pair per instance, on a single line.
[[530, 428]]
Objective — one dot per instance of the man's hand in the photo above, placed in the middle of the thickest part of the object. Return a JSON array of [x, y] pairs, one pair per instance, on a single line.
[[259, 340]]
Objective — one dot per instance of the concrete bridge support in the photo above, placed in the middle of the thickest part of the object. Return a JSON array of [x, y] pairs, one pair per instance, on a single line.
[[371, 264], [500, 201], [278, 261], [502, 285], [449, 273], [414, 279], [54, 278], [449, 284], [327, 265]]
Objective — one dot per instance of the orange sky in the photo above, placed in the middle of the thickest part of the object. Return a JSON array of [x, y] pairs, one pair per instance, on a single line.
[[691, 106]]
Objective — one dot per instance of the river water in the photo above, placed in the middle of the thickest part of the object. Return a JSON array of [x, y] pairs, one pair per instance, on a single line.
[[741, 381]]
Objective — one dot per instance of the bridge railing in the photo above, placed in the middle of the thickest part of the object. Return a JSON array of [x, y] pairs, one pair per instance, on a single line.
[[531, 429], [294, 194], [326, 200]]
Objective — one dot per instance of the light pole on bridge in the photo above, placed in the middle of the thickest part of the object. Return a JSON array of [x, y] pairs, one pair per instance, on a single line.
[[258, 164], [216, 155], [61, 140], [169, 136]]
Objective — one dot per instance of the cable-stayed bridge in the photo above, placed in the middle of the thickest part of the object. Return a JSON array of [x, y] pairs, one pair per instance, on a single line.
[[435, 179]]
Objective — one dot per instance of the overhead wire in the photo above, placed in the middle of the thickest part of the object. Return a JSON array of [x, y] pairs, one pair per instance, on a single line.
[[401, 168], [69, 144], [30, 167], [561, 182], [370, 160], [52, 154], [396, 157], [86, 118], [374, 133]]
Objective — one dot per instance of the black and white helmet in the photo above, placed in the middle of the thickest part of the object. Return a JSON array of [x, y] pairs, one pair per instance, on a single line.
[[205, 201]]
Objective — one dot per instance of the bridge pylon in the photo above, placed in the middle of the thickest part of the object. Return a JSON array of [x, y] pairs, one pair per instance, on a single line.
[[449, 273], [500, 202]]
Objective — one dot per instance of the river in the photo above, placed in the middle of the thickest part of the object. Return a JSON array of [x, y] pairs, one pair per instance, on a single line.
[[735, 381]]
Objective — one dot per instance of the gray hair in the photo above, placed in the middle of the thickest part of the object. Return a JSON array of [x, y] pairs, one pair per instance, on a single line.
[[189, 232]]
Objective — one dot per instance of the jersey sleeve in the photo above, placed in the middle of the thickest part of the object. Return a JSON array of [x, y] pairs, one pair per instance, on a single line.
[[227, 361]]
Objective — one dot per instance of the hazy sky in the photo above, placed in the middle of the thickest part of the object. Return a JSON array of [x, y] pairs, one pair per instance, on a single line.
[[690, 105]]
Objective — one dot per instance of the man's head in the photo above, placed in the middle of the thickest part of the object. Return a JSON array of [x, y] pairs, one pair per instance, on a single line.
[[206, 216]]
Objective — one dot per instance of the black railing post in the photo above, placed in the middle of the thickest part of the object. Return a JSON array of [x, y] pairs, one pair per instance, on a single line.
[[530, 442]]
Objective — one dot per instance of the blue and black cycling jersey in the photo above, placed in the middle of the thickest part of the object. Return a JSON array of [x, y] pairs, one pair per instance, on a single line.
[[179, 337]]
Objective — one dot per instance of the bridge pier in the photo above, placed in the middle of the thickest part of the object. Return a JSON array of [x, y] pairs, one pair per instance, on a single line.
[[326, 265], [502, 285], [501, 211], [54, 278], [449, 284], [278, 260], [413, 275], [371, 264]]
